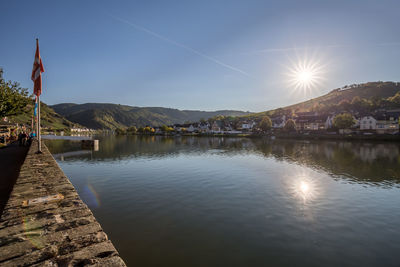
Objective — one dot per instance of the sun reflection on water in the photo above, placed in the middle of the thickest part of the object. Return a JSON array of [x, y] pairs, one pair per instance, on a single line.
[[305, 188]]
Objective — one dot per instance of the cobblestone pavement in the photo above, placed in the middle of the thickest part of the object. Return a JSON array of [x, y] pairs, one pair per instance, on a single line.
[[59, 232]]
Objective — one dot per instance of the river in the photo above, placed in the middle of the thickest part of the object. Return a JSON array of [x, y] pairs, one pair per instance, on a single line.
[[199, 201]]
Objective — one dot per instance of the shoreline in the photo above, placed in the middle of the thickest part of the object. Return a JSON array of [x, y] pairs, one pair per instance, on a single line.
[[290, 136]]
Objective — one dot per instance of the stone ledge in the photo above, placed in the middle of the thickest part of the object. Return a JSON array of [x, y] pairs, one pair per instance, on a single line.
[[59, 233]]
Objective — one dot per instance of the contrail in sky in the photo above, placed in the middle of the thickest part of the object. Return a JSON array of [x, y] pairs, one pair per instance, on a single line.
[[159, 36], [287, 49]]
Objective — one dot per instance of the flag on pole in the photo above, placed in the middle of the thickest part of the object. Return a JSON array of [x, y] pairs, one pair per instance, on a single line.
[[37, 72]]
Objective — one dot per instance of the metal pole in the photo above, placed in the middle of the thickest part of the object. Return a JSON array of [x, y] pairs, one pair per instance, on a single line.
[[38, 127]]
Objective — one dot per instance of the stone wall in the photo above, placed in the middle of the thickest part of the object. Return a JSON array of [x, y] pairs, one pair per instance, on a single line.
[[59, 231]]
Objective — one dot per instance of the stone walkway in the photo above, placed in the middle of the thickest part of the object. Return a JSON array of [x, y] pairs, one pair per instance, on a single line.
[[57, 232]]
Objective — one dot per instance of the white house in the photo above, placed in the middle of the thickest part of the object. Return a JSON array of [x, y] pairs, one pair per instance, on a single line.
[[248, 125], [368, 123], [329, 121], [278, 122], [204, 128], [191, 129], [79, 130]]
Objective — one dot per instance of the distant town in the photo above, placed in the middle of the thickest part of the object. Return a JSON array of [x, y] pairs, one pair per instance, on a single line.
[[379, 122]]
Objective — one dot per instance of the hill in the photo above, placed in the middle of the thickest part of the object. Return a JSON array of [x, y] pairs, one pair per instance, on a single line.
[[49, 118], [111, 116], [366, 96]]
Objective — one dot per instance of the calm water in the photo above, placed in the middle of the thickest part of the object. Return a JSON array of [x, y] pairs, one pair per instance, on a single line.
[[241, 202]]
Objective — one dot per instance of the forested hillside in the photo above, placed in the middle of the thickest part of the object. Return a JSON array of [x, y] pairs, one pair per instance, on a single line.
[[111, 116]]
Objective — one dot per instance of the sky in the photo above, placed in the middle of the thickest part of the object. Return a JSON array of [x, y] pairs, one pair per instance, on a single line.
[[203, 55]]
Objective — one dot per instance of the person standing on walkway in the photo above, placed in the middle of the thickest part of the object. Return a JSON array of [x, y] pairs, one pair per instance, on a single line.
[[20, 139]]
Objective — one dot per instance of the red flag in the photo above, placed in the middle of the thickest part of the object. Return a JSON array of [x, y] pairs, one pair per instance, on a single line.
[[37, 72]]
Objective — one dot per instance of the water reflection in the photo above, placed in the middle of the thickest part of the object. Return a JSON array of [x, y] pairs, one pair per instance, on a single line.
[[304, 189], [360, 162], [191, 201]]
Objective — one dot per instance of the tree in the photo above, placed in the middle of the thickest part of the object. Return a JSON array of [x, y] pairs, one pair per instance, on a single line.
[[166, 129], [343, 121], [395, 99], [147, 129], [13, 98], [132, 130], [290, 126], [120, 131], [265, 124]]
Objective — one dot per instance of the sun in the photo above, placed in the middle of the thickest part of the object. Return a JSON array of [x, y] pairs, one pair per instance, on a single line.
[[305, 75], [304, 187]]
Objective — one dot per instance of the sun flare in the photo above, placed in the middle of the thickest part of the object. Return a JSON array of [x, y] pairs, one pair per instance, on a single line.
[[305, 75], [304, 187]]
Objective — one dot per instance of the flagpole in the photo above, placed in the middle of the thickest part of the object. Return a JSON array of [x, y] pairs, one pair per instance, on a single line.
[[38, 127]]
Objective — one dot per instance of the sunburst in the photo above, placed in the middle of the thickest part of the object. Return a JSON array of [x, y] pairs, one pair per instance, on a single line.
[[305, 75]]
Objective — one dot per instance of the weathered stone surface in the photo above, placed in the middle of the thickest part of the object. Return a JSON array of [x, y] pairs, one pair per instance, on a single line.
[[59, 233]]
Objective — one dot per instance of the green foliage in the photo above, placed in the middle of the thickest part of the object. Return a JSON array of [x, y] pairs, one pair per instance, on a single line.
[[290, 126], [18, 106], [367, 97], [120, 131], [164, 128], [111, 116], [131, 130], [49, 118], [148, 129], [265, 124], [395, 99], [13, 98], [343, 121]]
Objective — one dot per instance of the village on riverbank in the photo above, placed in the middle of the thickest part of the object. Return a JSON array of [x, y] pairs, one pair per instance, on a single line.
[[379, 124]]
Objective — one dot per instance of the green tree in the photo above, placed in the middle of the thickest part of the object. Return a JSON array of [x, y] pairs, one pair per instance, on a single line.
[[120, 131], [290, 126], [147, 129], [132, 130], [164, 128], [13, 98], [343, 121], [265, 124], [395, 99]]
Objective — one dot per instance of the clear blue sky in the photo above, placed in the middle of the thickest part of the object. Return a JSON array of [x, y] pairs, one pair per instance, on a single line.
[[204, 55]]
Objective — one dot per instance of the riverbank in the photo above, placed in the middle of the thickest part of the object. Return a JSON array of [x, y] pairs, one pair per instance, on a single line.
[[45, 223], [293, 136]]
